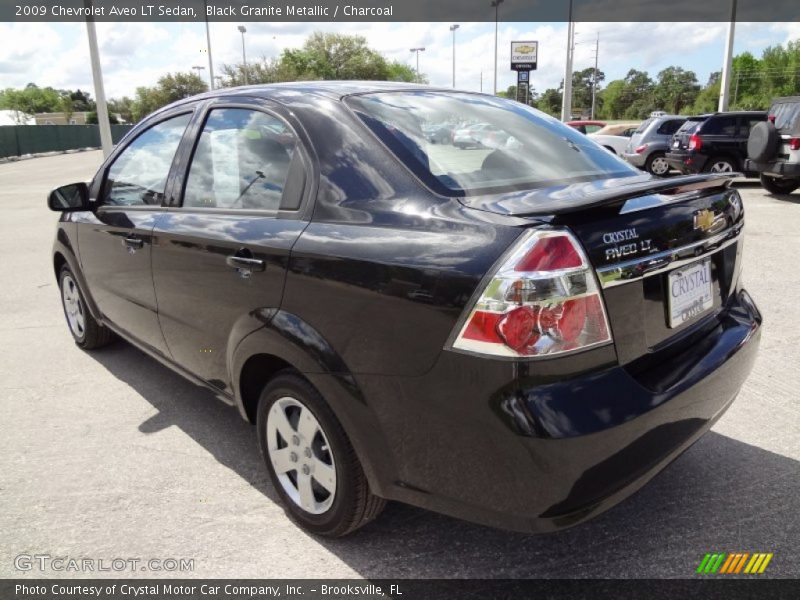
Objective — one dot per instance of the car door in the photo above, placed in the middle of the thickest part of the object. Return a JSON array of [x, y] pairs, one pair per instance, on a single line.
[[719, 136], [115, 239], [221, 252]]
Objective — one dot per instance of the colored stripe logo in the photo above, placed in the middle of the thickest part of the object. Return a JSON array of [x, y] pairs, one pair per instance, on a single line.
[[734, 563]]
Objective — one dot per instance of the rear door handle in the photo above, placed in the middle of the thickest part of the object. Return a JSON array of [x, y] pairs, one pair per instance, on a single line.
[[243, 262], [133, 243]]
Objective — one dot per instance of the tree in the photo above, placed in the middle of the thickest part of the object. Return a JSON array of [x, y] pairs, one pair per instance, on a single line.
[[582, 82], [67, 106], [170, 88], [676, 88], [123, 107], [550, 101], [91, 118], [30, 100], [322, 56]]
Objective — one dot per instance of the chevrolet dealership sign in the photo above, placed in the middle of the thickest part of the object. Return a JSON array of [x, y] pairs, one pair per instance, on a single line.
[[524, 56]]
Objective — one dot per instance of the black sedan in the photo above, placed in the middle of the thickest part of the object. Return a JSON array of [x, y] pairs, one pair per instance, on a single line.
[[521, 335]]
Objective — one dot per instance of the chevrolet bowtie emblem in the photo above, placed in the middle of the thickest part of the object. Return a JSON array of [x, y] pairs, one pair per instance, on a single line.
[[704, 220]]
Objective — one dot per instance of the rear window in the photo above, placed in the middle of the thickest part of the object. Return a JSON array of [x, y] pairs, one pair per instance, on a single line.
[[516, 147], [720, 126], [787, 115], [645, 124], [690, 126]]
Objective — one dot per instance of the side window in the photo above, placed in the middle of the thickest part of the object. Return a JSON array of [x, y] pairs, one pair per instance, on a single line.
[[241, 161], [747, 124], [719, 126], [670, 127], [139, 175]]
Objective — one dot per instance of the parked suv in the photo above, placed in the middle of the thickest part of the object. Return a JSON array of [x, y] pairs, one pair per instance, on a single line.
[[517, 336], [650, 142], [773, 147], [713, 143]]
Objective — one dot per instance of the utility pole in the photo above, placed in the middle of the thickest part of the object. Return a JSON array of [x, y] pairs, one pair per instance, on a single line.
[[594, 79], [243, 30], [566, 100], [496, 5], [208, 46], [417, 51], [736, 88], [453, 29], [727, 61], [99, 90]]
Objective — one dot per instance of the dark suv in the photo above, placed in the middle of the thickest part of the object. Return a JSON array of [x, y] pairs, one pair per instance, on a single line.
[[774, 147], [521, 335], [714, 143]]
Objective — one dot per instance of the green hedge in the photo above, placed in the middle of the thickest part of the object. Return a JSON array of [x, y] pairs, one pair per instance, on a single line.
[[18, 140]]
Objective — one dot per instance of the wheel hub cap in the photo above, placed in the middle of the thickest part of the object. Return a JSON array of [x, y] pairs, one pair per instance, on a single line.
[[73, 306]]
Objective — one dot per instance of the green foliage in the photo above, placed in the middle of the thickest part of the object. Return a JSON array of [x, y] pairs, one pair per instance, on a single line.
[[170, 88], [91, 118], [550, 101], [31, 99], [322, 56]]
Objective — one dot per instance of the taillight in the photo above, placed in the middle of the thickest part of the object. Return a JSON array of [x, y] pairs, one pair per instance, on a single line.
[[543, 300], [794, 144], [771, 118], [641, 149], [695, 142]]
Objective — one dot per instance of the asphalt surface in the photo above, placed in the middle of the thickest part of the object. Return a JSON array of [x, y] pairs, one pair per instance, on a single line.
[[111, 455]]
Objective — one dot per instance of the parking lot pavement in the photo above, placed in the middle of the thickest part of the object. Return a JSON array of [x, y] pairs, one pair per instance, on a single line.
[[110, 455]]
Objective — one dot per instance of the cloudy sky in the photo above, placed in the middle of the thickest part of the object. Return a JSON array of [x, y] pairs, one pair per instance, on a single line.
[[135, 54]]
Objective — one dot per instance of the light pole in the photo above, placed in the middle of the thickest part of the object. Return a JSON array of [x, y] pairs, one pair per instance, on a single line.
[[496, 5], [243, 30], [725, 83], [99, 90], [208, 46], [566, 99], [417, 51], [594, 79], [453, 29], [198, 68]]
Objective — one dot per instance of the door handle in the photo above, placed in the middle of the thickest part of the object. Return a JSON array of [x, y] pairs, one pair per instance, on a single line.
[[243, 262], [133, 243]]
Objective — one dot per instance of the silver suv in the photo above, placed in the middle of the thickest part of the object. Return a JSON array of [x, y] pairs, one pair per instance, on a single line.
[[773, 148], [650, 142]]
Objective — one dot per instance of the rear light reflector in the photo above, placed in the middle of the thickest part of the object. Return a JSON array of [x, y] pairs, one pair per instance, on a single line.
[[541, 301], [695, 142], [641, 149], [794, 144], [771, 118]]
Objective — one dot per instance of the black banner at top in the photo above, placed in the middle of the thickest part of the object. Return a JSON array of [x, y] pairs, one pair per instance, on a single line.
[[533, 11]]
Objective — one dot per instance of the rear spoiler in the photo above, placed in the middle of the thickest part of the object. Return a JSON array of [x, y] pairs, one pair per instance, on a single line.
[[576, 197]]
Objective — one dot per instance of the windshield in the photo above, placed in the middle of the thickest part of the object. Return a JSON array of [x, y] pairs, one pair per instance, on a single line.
[[494, 143]]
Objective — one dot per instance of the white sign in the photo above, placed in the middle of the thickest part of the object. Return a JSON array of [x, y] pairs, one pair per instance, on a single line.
[[524, 55]]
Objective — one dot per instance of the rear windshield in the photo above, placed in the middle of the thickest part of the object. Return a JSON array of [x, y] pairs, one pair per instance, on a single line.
[[644, 125], [494, 144], [787, 115], [689, 126]]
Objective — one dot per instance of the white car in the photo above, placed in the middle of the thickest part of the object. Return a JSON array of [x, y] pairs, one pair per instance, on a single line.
[[614, 137]]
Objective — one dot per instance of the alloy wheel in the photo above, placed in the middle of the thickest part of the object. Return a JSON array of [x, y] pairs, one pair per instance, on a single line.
[[300, 454], [721, 166], [659, 166], [73, 306]]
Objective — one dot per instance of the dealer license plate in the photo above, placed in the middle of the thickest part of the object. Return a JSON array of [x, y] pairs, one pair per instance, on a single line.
[[689, 292]]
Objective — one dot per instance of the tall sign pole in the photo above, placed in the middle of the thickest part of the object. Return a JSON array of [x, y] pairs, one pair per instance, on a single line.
[[97, 76], [725, 84]]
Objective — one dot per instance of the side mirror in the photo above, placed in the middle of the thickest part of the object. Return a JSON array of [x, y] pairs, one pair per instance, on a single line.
[[69, 198]]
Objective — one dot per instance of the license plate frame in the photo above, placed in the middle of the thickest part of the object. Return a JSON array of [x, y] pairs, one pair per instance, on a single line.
[[695, 293]]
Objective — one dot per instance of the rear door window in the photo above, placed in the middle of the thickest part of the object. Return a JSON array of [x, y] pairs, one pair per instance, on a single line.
[[719, 126], [747, 123]]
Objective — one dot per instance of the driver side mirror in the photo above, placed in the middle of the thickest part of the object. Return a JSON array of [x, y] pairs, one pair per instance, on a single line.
[[69, 198]]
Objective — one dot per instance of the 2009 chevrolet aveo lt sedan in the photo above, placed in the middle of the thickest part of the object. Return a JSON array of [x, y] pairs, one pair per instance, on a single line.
[[520, 334]]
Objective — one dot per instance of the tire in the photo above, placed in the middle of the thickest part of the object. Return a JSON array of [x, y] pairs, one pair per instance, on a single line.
[[86, 331], [778, 185], [323, 456], [762, 143], [721, 164], [657, 164]]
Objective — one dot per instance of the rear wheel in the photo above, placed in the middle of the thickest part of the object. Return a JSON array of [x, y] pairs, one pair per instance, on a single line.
[[86, 331], [310, 460], [657, 164], [721, 164], [778, 185]]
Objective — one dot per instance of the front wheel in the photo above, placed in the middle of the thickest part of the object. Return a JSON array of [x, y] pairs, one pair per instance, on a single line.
[[310, 460], [86, 331], [778, 185], [657, 164]]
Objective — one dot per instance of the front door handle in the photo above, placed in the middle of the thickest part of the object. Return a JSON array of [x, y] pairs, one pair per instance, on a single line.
[[133, 243], [245, 262]]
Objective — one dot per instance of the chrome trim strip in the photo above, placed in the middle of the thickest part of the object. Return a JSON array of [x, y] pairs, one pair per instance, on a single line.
[[660, 262]]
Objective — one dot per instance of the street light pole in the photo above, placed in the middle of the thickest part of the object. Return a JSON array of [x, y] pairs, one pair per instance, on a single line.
[[594, 79], [208, 46], [725, 84], [566, 100], [417, 51], [453, 29], [496, 5], [106, 142], [243, 30], [198, 68]]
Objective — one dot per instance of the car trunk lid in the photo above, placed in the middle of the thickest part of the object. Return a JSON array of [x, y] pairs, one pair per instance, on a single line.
[[680, 141], [642, 236]]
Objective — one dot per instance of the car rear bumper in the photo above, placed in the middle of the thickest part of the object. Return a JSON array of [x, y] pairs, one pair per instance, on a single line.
[[686, 162], [637, 160], [542, 456], [776, 168]]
